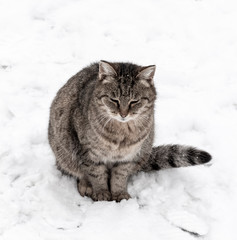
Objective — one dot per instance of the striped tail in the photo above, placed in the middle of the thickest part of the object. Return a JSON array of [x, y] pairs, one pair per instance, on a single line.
[[174, 156]]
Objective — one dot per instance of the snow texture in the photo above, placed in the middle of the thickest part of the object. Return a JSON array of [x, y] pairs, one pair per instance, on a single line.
[[194, 46]]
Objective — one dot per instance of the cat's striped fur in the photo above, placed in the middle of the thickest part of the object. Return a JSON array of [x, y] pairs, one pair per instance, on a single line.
[[101, 130], [174, 156]]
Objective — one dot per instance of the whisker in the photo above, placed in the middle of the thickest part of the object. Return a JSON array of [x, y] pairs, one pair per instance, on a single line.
[[107, 122], [143, 120]]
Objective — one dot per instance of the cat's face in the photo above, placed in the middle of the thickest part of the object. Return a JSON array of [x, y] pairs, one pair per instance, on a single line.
[[125, 91]]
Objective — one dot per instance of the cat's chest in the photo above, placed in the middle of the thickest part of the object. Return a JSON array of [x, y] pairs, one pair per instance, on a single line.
[[123, 153], [114, 151]]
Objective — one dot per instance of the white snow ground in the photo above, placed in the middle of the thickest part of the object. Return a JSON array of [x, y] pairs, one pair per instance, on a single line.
[[194, 45]]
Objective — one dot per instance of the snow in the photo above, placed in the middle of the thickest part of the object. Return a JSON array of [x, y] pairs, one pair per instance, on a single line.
[[194, 46]]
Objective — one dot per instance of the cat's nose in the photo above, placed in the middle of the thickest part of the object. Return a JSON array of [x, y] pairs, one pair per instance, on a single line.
[[123, 109], [123, 114]]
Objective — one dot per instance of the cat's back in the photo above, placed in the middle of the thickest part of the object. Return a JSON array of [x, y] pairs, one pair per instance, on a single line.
[[77, 88], [75, 94]]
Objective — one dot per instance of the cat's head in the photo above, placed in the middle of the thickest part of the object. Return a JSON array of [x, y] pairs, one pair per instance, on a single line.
[[125, 91]]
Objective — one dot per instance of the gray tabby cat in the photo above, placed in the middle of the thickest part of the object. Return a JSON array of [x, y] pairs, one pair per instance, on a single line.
[[101, 130]]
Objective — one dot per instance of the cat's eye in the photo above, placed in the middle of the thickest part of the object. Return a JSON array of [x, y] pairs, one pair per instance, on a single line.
[[132, 103], [115, 101]]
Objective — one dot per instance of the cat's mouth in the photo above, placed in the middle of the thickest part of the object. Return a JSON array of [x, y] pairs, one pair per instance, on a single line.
[[123, 119]]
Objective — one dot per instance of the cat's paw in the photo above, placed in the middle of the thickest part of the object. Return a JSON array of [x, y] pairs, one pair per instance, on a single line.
[[103, 195], [120, 196], [84, 188]]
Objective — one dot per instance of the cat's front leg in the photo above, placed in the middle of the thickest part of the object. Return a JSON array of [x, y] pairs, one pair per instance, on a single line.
[[97, 176], [118, 181]]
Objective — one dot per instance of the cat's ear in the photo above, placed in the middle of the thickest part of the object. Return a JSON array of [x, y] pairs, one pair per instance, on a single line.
[[146, 75], [106, 69]]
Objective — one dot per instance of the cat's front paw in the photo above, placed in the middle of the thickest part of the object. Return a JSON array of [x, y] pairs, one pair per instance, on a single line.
[[84, 188], [120, 196], [103, 195]]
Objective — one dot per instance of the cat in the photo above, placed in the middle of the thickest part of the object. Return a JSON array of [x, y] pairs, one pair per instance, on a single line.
[[101, 130]]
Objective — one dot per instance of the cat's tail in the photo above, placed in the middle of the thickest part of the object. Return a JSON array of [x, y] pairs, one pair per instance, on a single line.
[[174, 156]]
